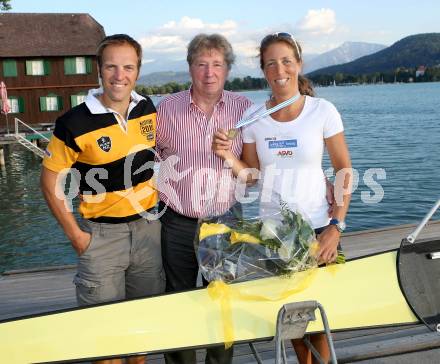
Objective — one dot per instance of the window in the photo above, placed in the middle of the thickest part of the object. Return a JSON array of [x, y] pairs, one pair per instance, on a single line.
[[9, 68], [77, 99], [16, 104], [77, 65], [37, 67], [51, 103], [80, 63]]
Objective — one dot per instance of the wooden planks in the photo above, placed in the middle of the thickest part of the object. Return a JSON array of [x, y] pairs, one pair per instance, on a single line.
[[361, 243], [28, 293]]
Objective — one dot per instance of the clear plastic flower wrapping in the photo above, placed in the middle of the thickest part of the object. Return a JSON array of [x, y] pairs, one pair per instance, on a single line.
[[242, 245]]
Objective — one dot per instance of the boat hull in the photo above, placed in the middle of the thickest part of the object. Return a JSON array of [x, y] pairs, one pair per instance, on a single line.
[[361, 293]]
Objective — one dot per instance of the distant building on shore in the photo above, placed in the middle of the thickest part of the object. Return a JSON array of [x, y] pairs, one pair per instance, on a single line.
[[420, 71], [47, 62]]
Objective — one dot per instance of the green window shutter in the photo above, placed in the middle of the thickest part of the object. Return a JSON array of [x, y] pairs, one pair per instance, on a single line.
[[29, 68], [88, 65], [46, 67], [69, 66], [43, 105], [9, 68], [60, 103], [20, 104]]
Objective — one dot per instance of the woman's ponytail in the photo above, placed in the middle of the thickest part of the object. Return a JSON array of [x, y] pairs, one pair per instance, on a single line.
[[305, 86]]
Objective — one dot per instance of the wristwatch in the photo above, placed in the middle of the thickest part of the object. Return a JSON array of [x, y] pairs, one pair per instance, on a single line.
[[340, 225]]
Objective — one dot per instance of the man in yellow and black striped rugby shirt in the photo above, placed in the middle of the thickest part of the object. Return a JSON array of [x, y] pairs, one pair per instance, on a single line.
[[105, 144]]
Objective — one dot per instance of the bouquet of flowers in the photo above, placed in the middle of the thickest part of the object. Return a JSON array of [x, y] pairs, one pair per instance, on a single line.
[[233, 249]]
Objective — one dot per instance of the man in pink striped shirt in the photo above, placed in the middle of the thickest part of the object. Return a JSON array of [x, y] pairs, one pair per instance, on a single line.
[[193, 181]]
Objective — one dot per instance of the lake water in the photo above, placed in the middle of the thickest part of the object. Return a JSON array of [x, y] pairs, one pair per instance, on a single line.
[[394, 129]]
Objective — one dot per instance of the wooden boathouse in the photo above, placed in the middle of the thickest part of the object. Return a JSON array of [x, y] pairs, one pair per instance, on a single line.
[[47, 62]]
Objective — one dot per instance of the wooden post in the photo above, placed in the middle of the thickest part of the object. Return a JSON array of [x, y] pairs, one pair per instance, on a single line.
[[2, 156]]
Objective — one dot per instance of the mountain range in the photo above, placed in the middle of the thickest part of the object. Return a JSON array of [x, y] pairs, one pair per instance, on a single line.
[[409, 52], [350, 58], [161, 78], [347, 52]]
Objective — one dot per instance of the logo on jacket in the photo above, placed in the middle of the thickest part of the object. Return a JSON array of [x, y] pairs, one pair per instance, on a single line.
[[105, 143], [147, 129]]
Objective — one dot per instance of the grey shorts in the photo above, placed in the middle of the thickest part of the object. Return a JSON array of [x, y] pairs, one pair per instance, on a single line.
[[122, 261]]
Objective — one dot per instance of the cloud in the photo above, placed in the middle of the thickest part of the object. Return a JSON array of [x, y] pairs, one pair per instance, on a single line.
[[167, 44], [195, 25], [318, 22], [245, 48], [185, 23], [146, 61], [163, 44], [165, 47], [318, 31]]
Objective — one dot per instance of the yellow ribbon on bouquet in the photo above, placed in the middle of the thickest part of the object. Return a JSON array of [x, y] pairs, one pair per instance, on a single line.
[[219, 290]]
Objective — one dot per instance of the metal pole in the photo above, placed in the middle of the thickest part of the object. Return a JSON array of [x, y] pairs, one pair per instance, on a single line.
[[255, 352], [7, 124], [17, 120], [328, 334], [413, 236], [2, 157]]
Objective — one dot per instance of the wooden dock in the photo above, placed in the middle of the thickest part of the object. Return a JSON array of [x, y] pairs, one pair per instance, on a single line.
[[42, 290]]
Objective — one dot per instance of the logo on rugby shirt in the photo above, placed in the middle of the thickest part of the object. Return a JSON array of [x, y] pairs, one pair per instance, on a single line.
[[147, 129], [105, 143]]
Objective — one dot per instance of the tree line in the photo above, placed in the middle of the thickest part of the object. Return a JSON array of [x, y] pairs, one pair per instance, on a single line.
[[168, 88], [237, 84], [401, 74]]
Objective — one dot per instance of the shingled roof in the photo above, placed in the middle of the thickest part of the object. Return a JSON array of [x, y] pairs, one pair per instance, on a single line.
[[46, 34]]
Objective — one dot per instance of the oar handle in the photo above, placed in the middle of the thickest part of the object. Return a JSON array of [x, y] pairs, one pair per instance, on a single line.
[[413, 236]]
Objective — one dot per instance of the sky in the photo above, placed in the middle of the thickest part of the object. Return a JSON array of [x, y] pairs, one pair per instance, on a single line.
[[164, 27]]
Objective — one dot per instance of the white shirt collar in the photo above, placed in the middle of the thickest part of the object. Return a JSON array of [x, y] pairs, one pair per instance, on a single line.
[[96, 107]]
